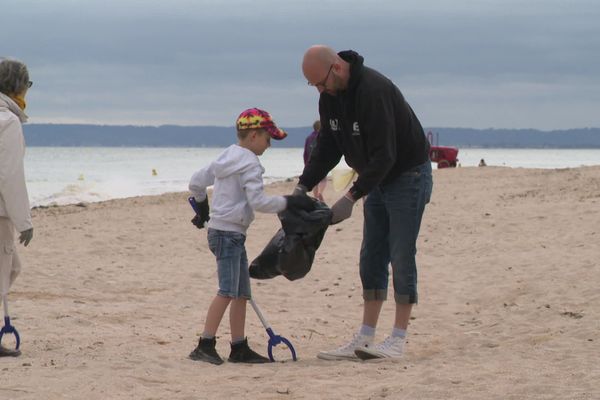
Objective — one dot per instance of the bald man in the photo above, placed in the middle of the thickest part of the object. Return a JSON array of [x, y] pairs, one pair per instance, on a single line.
[[366, 119]]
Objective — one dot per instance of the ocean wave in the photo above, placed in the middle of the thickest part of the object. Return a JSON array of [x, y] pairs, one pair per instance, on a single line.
[[72, 194]]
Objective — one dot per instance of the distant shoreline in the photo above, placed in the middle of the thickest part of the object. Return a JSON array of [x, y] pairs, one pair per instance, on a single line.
[[78, 135]]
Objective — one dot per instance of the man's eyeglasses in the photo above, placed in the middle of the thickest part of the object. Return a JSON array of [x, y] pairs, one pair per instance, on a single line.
[[29, 84], [323, 83]]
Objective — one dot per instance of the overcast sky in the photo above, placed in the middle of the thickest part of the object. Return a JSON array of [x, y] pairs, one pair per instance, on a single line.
[[459, 63]]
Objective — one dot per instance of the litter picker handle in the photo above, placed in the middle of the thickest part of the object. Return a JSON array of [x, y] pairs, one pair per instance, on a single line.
[[194, 204], [260, 315]]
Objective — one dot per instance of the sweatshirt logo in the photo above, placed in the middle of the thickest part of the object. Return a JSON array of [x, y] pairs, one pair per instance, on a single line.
[[355, 129], [334, 125]]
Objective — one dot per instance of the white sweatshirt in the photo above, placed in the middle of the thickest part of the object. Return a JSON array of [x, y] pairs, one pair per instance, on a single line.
[[14, 201], [238, 190]]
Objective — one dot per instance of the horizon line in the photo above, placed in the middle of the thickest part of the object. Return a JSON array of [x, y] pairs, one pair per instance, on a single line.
[[293, 127]]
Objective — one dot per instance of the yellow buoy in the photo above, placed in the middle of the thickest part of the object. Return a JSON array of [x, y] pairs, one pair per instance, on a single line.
[[80, 177], [154, 173]]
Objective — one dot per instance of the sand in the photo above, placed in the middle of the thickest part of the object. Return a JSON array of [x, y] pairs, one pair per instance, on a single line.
[[113, 295]]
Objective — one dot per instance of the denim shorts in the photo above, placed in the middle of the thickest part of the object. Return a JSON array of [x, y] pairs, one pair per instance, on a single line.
[[232, 263], [393, 214]]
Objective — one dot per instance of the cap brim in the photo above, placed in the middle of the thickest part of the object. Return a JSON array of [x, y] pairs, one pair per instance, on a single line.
[[276, 133]]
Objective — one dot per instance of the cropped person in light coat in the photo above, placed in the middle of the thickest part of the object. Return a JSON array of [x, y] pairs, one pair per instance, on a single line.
[[14, 202]]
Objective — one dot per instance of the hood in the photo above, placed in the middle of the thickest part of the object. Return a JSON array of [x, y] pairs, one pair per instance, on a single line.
[[234, 160], [7, 102], [356, 65]]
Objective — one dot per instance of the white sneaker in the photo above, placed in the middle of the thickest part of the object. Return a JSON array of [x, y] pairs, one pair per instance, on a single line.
[[391, 347], [346, 352]]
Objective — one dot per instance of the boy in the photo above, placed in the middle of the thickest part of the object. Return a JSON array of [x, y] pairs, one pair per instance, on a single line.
[[238, 190]]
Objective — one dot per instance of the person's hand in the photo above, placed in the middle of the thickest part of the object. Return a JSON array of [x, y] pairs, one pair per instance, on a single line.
[[342, 209], [202, 216], [26, 236], [300, 190], [300, 202]]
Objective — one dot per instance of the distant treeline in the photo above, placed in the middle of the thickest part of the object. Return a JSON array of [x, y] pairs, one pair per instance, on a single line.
[[74, 135]]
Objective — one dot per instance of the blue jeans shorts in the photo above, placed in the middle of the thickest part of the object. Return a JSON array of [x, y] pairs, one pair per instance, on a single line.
[[232, 263], [393, 215]]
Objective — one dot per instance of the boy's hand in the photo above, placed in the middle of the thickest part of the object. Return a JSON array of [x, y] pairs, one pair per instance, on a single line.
[[202, 214], [301, 202]]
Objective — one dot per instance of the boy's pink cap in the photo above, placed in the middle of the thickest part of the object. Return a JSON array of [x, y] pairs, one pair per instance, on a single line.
[[255, 118]]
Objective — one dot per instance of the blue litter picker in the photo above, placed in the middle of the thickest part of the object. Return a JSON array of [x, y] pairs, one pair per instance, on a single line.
[[8, 328], [274, 339]]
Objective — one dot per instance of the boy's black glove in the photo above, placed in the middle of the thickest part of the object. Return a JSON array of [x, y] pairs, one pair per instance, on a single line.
[[202, 212], [300, 202]]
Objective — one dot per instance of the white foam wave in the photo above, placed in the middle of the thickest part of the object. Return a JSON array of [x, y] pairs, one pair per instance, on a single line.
[[72, 194]]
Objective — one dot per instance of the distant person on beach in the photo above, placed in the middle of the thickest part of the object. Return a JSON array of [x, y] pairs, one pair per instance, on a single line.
[[482, 163], [309, 145], [366, 119], [237, 192], [15, 211]]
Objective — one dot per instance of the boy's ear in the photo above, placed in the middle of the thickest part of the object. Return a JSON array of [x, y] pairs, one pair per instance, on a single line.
[[258, 132]]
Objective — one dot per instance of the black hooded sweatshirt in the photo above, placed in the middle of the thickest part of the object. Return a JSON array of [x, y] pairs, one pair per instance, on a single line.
[[372, 126]]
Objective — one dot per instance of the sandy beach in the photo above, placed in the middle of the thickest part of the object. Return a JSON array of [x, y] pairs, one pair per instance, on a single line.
[[112, 298]]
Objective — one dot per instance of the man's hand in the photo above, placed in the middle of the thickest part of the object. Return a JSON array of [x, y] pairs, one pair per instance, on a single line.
[[342, 209], [202, 215], [300, 202], [300, 190], [26, 237]]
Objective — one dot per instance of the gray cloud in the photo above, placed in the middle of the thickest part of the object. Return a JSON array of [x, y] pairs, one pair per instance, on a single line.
[[481, 63]]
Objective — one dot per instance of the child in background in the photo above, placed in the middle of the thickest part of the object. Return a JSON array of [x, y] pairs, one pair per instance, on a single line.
[[237, 192]]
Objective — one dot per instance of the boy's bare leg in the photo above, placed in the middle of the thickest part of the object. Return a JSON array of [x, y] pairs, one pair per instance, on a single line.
[[237, 319], [215, 315]]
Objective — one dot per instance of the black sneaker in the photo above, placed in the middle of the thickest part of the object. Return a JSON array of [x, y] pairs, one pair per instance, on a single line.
[[205, 351], [241, 353]]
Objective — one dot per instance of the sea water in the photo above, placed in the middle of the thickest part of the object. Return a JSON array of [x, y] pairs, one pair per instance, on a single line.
[[70, 175]]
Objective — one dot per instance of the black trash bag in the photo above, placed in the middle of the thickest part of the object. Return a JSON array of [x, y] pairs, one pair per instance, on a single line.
[[292, 250]]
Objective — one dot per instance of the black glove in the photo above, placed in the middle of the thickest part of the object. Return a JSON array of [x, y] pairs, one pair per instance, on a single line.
[[202, 214], [300, 190], [300, 202]]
